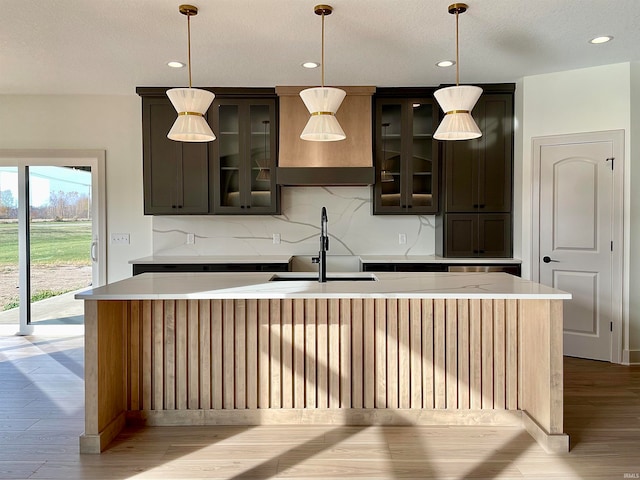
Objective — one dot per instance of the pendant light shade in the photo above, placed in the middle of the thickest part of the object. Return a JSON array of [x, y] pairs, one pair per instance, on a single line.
[[457, 102], [190, 103], [323, 102]]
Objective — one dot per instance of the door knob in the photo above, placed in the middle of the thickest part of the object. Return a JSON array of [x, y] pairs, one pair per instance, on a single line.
[[547, 260]]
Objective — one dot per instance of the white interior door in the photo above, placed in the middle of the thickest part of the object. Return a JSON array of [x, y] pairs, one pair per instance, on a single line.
[[577, 221]]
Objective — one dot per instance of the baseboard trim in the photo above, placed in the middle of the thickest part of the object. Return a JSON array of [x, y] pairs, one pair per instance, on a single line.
[[98, 442], [317, 416], [551, 443], [631, 357]]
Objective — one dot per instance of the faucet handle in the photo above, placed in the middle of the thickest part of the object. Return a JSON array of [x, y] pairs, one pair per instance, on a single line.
[[315, 259]]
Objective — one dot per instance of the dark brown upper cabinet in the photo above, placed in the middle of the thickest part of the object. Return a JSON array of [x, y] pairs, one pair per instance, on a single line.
[[175, 173], [478, 173], [477, 183], [244, 156], [406, 155], [234, 174]]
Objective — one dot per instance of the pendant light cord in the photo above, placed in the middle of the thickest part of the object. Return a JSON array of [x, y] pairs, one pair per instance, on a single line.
[[189, 45], [457, 54], [322, 59]]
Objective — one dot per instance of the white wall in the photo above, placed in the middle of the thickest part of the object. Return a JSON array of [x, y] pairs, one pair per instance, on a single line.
[[586, 100], [110, 123]]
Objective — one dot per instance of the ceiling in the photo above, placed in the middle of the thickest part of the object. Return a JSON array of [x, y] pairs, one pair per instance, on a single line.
[[112, 46]]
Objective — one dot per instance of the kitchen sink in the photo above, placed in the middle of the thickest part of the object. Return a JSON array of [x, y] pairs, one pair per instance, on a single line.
[[336, 277]]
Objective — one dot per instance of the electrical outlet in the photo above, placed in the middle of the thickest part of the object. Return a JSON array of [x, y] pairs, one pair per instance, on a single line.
[[120, 239], [191, 238], [276, 239], [402, 238]]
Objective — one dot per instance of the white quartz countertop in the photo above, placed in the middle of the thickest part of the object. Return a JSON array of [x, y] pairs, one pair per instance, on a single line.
[[165, 286], [203, 259]]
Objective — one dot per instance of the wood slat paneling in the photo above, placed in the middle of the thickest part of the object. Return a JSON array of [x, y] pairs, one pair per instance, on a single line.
[[392, 353], [216, 355], [252, 354], [181, 376], [486, 345], [264, 355], [464, 383], [416, 367], [310, 354], [369, 355], [404, 354], [334, 352], [428, 393], [298, 354], [439, 354], [204, 325], [451, 345], [323, 353], [380, 365], [286, 310], [357, 354], [344, 340]]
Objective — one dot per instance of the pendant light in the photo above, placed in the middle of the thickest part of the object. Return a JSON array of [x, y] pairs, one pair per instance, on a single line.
[[190, 103], [323, 102], [457, 102]]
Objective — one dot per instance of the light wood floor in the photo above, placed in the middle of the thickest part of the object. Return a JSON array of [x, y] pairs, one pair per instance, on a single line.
[[41, 417]]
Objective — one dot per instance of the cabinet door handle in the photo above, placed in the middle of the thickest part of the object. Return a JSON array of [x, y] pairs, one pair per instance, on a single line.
[[475, 205], [174, 206], [248, 206], [179, 206]]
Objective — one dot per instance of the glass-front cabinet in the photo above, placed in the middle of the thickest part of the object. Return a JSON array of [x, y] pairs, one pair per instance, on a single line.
[[244, 156], [406, 156]]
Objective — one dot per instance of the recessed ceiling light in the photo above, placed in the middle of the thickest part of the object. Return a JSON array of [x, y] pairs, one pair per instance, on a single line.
[[310, 64], [446, 63], [603, 39], [173, 64]]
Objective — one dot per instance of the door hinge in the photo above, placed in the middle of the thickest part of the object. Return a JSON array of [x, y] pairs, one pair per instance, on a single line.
[[611, 326], [611, 159], [612, 245]]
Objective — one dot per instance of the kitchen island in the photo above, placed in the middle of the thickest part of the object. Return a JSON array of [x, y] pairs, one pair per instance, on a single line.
[[384, 348]]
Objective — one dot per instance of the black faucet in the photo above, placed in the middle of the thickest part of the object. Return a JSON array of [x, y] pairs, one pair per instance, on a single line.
[[321, 259]]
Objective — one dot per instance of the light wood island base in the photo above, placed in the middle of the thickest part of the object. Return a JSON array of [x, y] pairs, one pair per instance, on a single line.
[[348, 361]]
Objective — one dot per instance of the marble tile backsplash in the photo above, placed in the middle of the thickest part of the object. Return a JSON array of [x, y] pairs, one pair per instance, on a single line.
[[353, 229]]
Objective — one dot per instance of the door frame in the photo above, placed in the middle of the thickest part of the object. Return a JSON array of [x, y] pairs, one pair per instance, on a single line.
[[619, 260], [23, 158]]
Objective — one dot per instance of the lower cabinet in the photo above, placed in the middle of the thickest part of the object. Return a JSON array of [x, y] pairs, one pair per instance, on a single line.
[[470, 266], [474, 235], [139, 268], [404, 267]]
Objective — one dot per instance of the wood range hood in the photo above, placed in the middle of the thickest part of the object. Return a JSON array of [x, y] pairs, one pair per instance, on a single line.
[[345, 162]]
